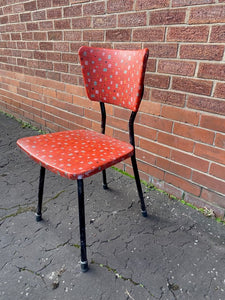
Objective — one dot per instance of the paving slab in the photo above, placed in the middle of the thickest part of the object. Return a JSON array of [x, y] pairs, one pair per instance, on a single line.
[[174, 253]]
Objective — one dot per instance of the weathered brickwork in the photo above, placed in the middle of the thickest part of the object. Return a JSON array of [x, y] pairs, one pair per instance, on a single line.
[[181, 123]]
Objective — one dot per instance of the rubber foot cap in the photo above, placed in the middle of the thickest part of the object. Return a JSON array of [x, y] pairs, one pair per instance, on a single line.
[[38, 217], [144, 213], [84, 266]]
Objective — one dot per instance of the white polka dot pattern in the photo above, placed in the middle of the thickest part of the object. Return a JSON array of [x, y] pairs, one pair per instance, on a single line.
[[75, 154], [114, 76]]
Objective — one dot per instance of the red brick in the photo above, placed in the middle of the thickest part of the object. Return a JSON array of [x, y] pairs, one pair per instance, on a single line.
[[93, 35], [84, 22], [207, 104], [13, 18], [29, 6], [61, 46], [162, 50], [220, 90], [217, 171], [154, 147], [217, 34], [97, 7], [46, 46], [62, 24], [212, 71], [188, 34], [190, 160], [55, 35], [145, 156], [151, 65], [15, 36], [54, 56], [146, 132], [167, 17], [195, 86], [61, 67], [45, 65], [132, 19], [72, 11], [177, 67], [119, 5], [46, 25], [177, 3], [183, 184], [4, 20], [148, 107], [69, 57], [72, 35], [194, 133], [156, 122], [180, 114], [154, 34], [38, 36], [153, 171], [210, 153], [44, 3], [55, 13], [158, 81], [198, 202], [207, 14], [168, 97], [175, 142], [39, 15], [213, 122], [118, 35], [209, 182], [220, 140], [151, 4], [40, 55], [60, 2], [207, 52], [213, 197], [103, 21], [32, 26], [172, 167]]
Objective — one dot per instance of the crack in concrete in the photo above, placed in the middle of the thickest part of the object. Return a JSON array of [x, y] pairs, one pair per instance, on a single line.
[[21, 209], [172, 288], [117, 275], [21, 269]]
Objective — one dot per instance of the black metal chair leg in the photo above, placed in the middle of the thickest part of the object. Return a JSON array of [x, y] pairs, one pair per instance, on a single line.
[[40, 194], [105, 186], [84, 262], [139, 188]]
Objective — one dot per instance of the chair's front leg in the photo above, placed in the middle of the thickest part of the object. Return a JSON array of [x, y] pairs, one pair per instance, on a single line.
[[105, 186], [84, 262], [40, 194], [138, 183]]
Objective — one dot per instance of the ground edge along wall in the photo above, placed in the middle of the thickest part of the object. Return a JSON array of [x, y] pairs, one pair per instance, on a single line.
[[180, 127]]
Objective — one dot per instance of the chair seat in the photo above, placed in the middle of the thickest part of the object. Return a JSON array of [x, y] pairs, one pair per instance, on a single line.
[[75, 154]]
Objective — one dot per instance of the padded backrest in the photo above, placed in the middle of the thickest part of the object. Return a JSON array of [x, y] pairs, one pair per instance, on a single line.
[[114, 76]]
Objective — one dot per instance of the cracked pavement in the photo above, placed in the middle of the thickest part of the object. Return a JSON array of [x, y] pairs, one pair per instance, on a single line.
[[174, 253]]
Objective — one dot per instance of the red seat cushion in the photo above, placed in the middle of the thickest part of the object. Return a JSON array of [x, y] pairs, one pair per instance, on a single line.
[[75, 154]]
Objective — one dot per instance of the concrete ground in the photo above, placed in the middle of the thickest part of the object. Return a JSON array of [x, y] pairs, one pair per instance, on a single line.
[[174, 253]]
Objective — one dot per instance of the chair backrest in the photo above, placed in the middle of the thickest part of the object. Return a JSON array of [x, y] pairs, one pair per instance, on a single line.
[[114, 76]]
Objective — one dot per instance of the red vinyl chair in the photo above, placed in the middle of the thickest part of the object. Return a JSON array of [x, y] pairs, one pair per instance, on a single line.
[[110, 76]]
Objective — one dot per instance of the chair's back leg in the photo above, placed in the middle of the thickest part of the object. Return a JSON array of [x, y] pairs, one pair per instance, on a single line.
[[138, 183], [84, 262], [40, 194], [105, 186]]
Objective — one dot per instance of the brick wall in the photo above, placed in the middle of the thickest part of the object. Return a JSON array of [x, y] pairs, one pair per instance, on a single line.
[[181, 125]]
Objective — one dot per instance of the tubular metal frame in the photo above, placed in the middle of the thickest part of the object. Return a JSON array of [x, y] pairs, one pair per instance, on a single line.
[[80, 188]]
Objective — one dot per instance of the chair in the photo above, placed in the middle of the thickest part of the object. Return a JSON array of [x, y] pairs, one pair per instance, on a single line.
[[110, 76]]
